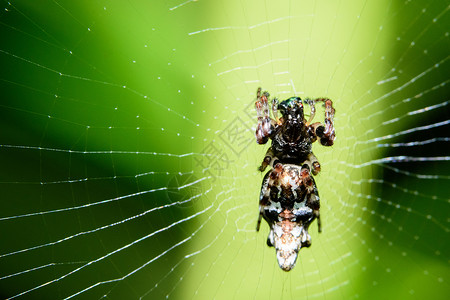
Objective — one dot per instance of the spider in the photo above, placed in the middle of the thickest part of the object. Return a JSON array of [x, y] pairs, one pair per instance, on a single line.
[[289, 199]]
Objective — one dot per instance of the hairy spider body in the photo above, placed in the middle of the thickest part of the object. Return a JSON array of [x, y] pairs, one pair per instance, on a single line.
[[289, 202], [289, 199]]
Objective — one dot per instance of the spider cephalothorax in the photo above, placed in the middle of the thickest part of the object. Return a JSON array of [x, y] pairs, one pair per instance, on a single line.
[[289, 199], [290, 138], [292, 135]]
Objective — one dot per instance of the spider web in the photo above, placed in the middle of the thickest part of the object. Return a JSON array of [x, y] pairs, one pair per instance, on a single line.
[[129, 160]]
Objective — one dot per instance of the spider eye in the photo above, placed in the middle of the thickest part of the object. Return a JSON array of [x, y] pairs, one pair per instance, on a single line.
[[293, 105]]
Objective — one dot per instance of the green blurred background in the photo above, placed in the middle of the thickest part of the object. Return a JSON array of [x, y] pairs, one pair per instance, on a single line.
[[128, 159]]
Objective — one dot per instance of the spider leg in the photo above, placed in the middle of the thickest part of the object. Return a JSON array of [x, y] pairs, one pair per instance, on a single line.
[[326, 132], [268, 160], [275, 110], [318, 220], [263, 128], [312, 105], [315, 165], [314, 203], [258, 223]]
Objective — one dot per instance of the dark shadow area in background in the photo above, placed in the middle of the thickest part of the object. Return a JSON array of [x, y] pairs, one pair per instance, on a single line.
[[408, 212]]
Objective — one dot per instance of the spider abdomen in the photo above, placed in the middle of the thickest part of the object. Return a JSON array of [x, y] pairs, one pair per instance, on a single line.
[[285, 204]]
